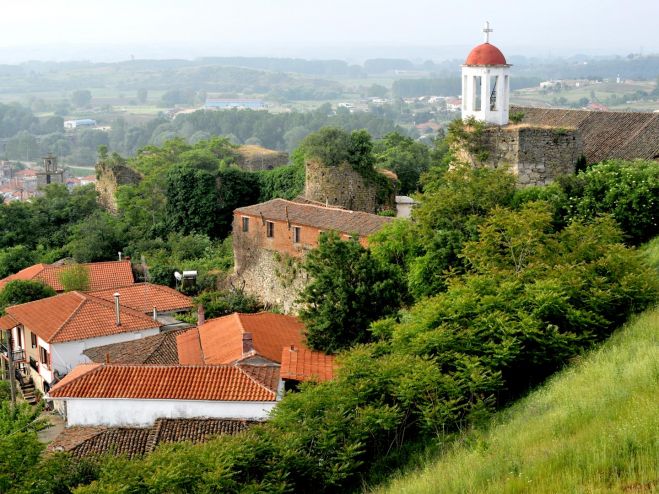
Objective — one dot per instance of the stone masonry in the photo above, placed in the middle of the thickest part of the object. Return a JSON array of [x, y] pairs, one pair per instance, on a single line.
[[109, 178], [537, 155], [344, 187]]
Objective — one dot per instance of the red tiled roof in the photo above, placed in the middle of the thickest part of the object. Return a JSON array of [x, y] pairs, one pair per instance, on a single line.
[[188, 347], [7, 322], [77, 316], [220, 340], [143, 297], [102, 275], [605, 134], [175, 382], [156, 349], [135, 441], [321, 217], [301, 364], [485, 54]]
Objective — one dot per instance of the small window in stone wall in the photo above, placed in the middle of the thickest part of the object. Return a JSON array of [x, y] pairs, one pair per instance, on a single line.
[[269, 229], [296, 234], [245, 224]]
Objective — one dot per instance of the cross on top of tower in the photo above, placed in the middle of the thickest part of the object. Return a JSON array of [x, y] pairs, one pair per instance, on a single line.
[[487, 30]]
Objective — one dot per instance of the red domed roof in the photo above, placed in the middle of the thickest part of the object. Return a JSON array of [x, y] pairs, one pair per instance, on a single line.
[[485, 54]]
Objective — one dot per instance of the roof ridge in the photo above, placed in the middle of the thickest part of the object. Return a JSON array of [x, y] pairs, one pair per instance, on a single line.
[[259, 383], [83, 300], [132, 311]]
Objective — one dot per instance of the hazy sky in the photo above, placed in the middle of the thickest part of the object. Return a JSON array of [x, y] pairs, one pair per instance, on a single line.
[[343, 28]]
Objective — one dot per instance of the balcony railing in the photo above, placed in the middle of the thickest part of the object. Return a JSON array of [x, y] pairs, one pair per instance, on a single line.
[[17, 355]]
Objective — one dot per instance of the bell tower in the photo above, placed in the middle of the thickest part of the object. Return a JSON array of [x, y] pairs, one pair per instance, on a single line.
[[486, 83]]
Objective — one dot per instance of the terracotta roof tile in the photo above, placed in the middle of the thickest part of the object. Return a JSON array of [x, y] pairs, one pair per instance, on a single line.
[[135, 441], [301, 364], [143, 297], [7, 322], [605, 134], [161, 382], [156, 349], [189, 348], [77, 316], [321, 217], [221, 340], [102, 275]]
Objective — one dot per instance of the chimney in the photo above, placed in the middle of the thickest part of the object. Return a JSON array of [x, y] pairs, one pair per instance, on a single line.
[[201, 315], [248, 343], [119, 255], [107, 358], [116, 308], [155, 313]]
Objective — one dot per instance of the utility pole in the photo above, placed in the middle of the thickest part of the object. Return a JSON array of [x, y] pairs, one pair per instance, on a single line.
[[12, 377]]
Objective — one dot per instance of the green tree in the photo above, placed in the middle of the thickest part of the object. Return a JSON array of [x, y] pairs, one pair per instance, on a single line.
[[96, 238], [13, 259], [349, 289], [404, 156], [191, 201], [22, 291], [74, 277], [81, 98], [142, 95]]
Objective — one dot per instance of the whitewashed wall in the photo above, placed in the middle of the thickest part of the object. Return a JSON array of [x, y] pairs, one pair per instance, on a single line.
[[132, 412], [66, 356]]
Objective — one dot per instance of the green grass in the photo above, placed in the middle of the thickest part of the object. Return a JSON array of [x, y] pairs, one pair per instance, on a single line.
[[651, 253], [593, 428]]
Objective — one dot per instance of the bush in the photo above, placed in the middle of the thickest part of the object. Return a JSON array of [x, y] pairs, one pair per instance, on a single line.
[[22, 291]]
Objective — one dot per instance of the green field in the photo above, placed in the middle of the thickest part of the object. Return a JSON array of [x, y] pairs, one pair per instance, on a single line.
[[592, 429], [602, 91]]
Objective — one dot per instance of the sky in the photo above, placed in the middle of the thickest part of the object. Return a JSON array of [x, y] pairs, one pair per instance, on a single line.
[[347, 29]]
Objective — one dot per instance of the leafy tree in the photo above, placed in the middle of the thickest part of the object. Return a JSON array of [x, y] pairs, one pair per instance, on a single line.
[[97, 238], [349, 289], [404, 156], [221, 303], [81, 98], [22, 291], [13, 259], [142, 95], [75, 277], [236, 188], [191, 201]]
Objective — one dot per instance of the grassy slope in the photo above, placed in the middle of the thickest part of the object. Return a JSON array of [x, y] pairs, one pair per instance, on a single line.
[[593, 428]]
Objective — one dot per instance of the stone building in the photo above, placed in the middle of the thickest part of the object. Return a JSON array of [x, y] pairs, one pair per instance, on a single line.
[[541, 144], [269, 239], [345, 187]]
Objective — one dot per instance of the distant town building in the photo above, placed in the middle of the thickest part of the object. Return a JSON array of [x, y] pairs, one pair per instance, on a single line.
[[82, 122], [51, 174], [231, 103]]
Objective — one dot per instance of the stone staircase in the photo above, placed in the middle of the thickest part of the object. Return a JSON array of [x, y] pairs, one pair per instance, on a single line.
[[27, 389]]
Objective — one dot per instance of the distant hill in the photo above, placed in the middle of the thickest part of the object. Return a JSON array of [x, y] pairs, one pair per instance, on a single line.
[[592, 428]]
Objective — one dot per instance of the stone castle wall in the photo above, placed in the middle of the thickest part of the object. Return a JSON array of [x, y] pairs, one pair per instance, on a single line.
[[345, 187], [275, 278], [537, 155], [109, 178], [255, 158]]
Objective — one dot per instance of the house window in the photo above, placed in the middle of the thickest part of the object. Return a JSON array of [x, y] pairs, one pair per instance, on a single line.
[[296, 234], [269, 229], [43, 356], [477, 92], [33, 340], [245, 223], [19, 338]]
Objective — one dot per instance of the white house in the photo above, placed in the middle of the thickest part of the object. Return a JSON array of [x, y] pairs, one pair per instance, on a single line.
[[50, 335], [137, 395]]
